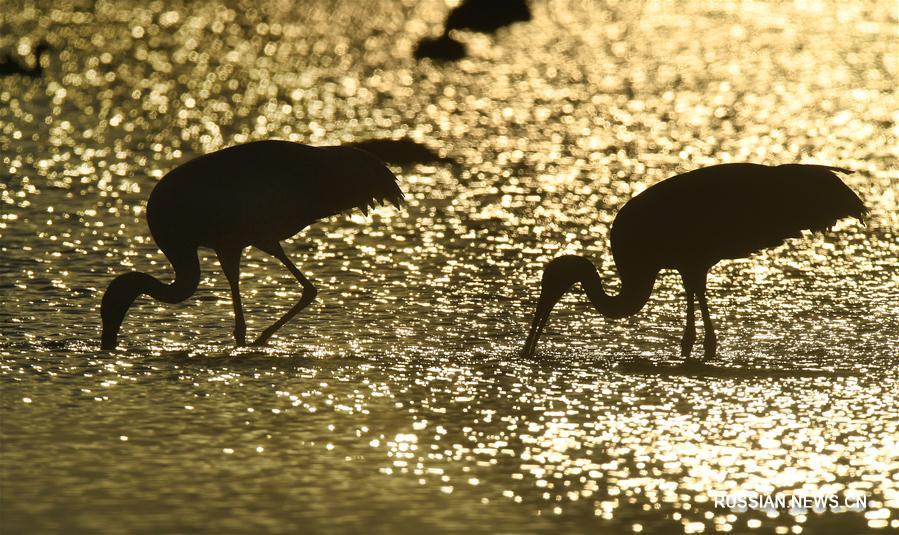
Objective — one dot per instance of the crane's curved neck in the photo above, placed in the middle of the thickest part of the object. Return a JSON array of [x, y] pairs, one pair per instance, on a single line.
[[187, 278], [144, 284], [636, 287], [124, 289]]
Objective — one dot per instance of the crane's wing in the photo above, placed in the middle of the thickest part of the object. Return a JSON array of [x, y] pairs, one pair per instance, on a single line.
[[732, 211]]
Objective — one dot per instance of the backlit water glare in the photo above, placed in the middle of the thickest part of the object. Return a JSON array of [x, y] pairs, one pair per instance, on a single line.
[[397, 403]]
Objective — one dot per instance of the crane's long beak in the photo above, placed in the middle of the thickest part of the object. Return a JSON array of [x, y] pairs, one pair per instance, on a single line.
[[544, 307], [109, 339], [112, 313]]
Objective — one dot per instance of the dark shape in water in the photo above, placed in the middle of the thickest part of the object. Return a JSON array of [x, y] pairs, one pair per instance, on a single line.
[[487, 16], [255, 194], [690, 222], [695, 368], [10, 67], [443, 48], [402, 151]]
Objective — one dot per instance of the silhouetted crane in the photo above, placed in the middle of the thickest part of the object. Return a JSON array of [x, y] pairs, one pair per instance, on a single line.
[[9, 66], [443, 48], [690, 222], [255, 194], [485, 16]]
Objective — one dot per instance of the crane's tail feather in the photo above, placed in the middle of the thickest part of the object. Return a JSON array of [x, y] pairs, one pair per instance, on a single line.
[[366, 182], [382, 195], [833, 199], [834, 169]]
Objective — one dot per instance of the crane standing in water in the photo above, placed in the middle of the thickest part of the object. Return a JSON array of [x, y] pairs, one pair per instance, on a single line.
[[255, 194], [690, 222]]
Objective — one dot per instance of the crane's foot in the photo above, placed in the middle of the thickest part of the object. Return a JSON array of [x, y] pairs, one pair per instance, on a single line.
[[692, 363], [261, 340]]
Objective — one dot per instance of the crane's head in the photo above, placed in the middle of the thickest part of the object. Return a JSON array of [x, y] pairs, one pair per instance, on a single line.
[[116, 301], [558, 277]]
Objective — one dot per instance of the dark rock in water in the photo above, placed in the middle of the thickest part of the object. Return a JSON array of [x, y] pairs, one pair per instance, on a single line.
[[399, 151], [487, 16], [443, 48]]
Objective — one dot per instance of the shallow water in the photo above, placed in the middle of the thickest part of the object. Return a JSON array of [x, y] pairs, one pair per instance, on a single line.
[[397, 402]]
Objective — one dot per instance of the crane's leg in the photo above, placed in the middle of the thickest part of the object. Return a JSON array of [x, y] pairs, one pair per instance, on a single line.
[[309, 291], [229, 259], [691, 287], [709, 342], [686, 344]]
